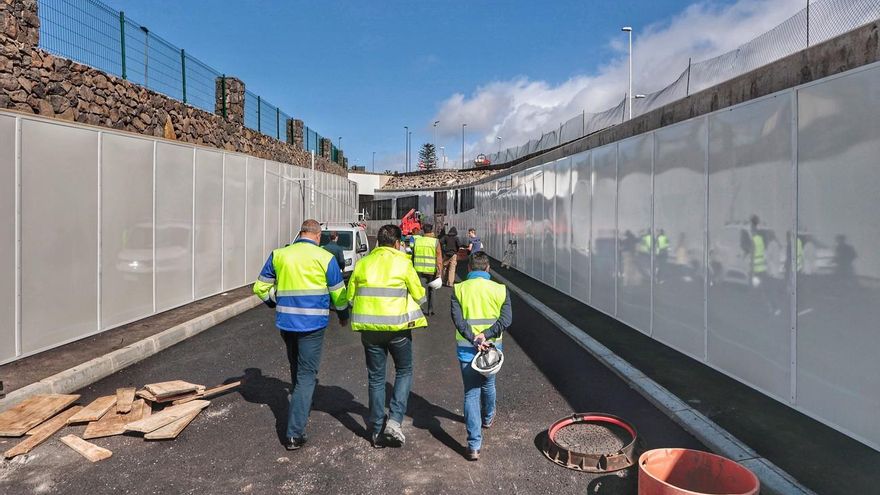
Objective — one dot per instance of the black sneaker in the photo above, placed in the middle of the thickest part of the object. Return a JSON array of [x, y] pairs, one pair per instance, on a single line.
[[295, 443], [376, 441]]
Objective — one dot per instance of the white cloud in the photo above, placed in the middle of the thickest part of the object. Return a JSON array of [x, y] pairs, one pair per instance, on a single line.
[[520, 109]]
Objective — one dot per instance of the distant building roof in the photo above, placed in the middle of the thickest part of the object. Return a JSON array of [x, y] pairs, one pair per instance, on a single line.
[[435, 179]]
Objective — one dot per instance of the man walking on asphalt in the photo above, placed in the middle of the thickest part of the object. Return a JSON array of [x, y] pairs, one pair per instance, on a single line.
[[302, 282], [450, 246], [335, 249], [428, 261], [481, 312], [385, 295]]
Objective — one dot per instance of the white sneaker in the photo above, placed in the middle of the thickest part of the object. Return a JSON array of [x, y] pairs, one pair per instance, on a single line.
[[394, 432]]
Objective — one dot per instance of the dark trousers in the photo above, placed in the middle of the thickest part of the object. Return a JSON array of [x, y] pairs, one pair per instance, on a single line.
[[304, 354], [377, 346], [426, 279]]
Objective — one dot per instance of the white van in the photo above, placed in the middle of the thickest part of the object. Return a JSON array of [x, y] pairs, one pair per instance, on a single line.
[[352, 239]]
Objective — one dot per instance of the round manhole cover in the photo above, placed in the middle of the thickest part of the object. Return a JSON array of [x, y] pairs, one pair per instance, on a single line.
[[592, 442]]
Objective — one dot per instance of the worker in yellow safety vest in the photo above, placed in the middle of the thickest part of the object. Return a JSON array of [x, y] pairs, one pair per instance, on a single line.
[[385, 294], [428, 261], [481, 312], [302, 282]]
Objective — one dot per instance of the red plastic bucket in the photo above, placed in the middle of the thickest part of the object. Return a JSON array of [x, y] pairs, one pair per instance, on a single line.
[[691, 472]]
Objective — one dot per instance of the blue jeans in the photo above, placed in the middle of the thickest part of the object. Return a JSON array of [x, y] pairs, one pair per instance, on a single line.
[[479, 403], [304, 354], [377, 346]]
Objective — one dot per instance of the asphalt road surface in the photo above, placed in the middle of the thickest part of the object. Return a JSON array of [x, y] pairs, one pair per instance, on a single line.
[[234, 446]]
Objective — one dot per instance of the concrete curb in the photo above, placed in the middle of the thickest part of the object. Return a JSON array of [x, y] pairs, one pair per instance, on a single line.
[[91, 371], [773, 479]]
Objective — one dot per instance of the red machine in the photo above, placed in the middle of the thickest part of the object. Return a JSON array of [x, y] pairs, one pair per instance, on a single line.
[[409, 222]]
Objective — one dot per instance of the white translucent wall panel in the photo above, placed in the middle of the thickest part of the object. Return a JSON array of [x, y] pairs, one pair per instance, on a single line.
[[234, 218], [7, 238], [750, 179], [538, 257], [284, 208], [59, 234], [296, 202], [273, 199], [126, 229], [563, 225], [581, 187], [208, 223], [604, 238], [174, 232], [256, 256], [680, 215], [839, 285], [634, 163], [529, 207], [548, 250]]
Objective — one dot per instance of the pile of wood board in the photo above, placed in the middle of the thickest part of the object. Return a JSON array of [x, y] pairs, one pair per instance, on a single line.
[[159, 411]]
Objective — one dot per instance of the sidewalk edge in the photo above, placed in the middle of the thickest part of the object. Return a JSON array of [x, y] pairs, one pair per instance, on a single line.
[[774, 480], [95, 369]]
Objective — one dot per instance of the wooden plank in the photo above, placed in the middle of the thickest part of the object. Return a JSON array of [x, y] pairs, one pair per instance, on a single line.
[[211, 392], [86, 449], [145, 394], [16, 421], [174, 387], [124, 398], [172, 429], [166, 416], [94, 411], [39, 434], [113, 423]]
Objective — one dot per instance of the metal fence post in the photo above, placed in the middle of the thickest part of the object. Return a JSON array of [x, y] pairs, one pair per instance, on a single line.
[[808, 23], [259, 104], [122, 40], [687, 88], [223, 93], [183, 71], [278, 124]]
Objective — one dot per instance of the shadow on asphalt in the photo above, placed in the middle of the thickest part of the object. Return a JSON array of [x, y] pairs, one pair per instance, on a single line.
[[426, 416]]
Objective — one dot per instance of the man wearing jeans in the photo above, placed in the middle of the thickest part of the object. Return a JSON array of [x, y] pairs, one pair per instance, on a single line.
[[385, 294], [481, 311], [302, 282]]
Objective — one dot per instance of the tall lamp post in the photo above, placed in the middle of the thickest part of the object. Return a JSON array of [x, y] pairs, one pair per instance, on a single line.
[[374, 162], [498, 138], [629, 31], [409, 152], [462, 145], [406, 148], [435, 142]]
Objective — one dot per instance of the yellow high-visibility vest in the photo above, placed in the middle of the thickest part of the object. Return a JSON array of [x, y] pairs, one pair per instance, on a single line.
[[385, 292], [425, 254], [481, 301]]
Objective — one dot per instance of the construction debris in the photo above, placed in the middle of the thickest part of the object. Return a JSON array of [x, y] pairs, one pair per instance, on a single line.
[[211, 392], [93, 411], [164, 390], [114, 423], [41, 433], [166, 416], [172, 429], [124, 398], [86, 449], [16, 421]]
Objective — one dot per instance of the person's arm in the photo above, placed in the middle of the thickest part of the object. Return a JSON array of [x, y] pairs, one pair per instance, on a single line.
[[439, 262], [504, 320], [336, 286], [264, 287], [414, 285], [458, 319], [470, 246]]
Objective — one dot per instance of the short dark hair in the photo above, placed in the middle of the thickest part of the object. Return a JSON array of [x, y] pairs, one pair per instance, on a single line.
[[479, 261], [334, 235], [427, 228], [388, 235]]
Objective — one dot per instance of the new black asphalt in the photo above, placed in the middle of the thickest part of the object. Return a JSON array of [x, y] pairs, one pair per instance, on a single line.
[[234, 446]]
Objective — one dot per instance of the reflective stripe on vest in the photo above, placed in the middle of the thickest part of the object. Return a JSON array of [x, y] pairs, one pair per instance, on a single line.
[[381, 299], [425, 254], [481, 301], [759, 261]]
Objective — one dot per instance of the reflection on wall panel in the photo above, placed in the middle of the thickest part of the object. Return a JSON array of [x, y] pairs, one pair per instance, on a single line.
[[679, 226], [59, 233], [634, 241], [7, 237], [750, 223], [209, 223], [234, 222], [284, 208], [839, 279], [604, 242], [548, 251], [581, 225], [255, 253], [562, 225], [126, 229], [272, 201], [538, 229], [174, 233]]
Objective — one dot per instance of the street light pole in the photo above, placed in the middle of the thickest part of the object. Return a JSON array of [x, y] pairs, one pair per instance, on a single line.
[[629, 31], [498, 138], [374, 162], [339, 143], [409, 151], [435, 142], [462, 145], [406, 148]]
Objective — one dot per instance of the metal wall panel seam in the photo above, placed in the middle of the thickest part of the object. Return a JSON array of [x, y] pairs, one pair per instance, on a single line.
[[99, 220], [590, 233], [793, 101], [223, 223], [616, 224], [17, 248], [155, 303], [651, 232], [245, 261], [264, 208], [706, 243], [193, 230]]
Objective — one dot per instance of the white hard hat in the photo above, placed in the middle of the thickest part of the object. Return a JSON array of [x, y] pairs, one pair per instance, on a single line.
[[488, 362], [435, 284]]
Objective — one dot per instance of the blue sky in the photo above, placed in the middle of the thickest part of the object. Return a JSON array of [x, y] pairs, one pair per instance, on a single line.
[[362, 70]]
